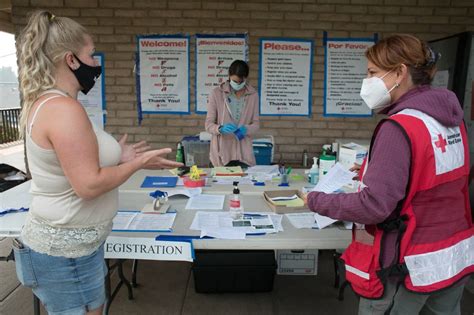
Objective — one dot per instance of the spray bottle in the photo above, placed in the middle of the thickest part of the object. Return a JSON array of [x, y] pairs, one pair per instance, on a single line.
[[235, 207], [314, 172]]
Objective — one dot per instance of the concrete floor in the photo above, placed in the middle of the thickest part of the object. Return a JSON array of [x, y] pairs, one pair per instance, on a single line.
[[168, 288]]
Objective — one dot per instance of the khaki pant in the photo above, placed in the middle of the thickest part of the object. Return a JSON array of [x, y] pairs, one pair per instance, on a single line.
[[399, 301]]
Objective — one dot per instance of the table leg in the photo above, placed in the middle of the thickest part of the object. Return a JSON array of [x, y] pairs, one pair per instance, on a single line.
[[36, 305], [134, 273]]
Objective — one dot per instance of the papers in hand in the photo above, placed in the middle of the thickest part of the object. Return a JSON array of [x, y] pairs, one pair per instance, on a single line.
[[206, 202], [221, 225], [135, 221], [337, 177], [309, 220]]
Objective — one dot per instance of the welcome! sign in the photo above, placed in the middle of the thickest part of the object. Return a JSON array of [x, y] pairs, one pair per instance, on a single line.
[[162, 71]]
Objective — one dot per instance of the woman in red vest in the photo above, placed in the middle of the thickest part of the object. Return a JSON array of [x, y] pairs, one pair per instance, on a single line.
[[414, 242]]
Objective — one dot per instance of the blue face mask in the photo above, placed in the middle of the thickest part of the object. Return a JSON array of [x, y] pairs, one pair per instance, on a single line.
[[237, 86]]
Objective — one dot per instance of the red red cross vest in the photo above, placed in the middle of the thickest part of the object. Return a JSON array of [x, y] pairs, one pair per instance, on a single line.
[[438, 155]]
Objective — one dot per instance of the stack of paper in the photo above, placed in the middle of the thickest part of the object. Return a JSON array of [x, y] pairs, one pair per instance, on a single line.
[[221, 225], [309, 220], [136, 221], [206, 202]]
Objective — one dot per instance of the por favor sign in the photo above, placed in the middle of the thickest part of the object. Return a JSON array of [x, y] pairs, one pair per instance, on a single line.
[[117, 247]]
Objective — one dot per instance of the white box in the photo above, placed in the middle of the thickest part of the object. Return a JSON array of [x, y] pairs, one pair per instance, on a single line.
[[297, 262], [351, 153]]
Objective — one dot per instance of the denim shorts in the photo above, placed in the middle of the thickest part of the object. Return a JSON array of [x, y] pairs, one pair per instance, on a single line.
[[65, 286]]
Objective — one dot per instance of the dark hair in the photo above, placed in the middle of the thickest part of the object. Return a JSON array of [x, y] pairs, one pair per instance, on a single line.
[[393, 51], [239, 68]]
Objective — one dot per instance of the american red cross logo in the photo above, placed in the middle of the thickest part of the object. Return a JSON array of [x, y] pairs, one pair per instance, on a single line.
[[441, 143]]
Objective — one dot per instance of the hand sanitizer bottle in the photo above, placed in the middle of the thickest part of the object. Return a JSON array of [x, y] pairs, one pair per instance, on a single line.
[[314, 172], [235, 207]]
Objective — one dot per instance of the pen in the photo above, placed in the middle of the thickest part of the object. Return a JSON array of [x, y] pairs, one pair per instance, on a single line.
[[7, 211]]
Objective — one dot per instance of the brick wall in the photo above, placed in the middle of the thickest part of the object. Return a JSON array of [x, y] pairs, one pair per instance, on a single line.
[[115, 23], [5, 22]]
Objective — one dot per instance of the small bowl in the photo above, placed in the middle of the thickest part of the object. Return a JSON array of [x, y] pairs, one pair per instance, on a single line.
[[194, 183]]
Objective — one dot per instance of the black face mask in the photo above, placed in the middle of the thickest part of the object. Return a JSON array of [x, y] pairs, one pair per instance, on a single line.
[[86, 75]]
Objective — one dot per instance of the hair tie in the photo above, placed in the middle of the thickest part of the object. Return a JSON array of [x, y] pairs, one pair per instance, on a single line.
[[433, 58], [52, 17]]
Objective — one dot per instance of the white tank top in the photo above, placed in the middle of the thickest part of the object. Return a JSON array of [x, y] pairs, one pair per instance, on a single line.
[[60, 223]]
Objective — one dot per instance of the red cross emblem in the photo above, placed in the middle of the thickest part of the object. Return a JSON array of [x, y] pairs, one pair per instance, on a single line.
[[441, 143]]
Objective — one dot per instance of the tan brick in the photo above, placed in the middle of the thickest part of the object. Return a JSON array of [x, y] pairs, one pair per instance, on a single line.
[[334, 17], [401, 2], [301, 16], [87, 21], [217, 23], [116, 4], [47, 3], [233, 15], [135, 130], [384, 10], [182, 22], [182, 122], [115, 21], [162, 129], [400, 19], [449, 11], [119, 122], [199, 14], [252, 6], [349, 26], [279, 124], [364, 134], [165, 13], [351, 9], [412, 28], [267, 15], [130, 13], [132, 30], [101, 30], [367, 18], [149, 22], [218, 5], [293, 7], [97, 12], [251, 23], [313, 25], [127, 113], [422, 11], [147, 4], [434, 19], [120, 73], [443, 3], [81, 3], [460, 20], [447, 28], [66, 12], [319, 8], [183, 5], [299, 33], [381, 27], [115, 39], [128, 47]]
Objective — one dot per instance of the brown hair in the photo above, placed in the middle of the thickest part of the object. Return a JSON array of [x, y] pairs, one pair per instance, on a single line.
[[393, 51]]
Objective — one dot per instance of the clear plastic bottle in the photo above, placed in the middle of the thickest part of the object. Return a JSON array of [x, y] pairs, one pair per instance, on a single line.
[[235, 207], [314, 172]]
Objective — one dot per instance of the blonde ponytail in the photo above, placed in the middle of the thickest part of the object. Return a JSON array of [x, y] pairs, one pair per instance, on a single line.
[[42, 44]]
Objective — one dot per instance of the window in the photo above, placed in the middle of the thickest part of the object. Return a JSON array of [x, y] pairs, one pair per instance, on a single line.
[[9, 94]]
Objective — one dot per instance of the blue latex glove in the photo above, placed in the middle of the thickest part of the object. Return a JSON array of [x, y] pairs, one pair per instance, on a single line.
[[228, 128], [241, 132]]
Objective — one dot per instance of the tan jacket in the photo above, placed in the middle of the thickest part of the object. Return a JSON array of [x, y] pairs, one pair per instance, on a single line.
[[225, 148]]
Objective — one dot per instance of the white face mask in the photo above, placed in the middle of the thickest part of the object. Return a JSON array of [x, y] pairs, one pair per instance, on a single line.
[[237, 86], [375, 93]]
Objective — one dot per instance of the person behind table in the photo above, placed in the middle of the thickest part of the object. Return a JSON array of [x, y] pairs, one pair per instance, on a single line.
[[76, 168], [232, 119], [414, 252]]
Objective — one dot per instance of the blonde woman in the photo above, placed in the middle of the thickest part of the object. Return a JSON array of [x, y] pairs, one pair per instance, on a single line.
[[76, 169]]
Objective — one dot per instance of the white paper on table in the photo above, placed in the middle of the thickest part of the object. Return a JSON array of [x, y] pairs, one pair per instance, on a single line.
[[188, 192], [276, 219], [323, 221], [303, 220], [206, 202], [348, 225], [337, 177], [224, 233], [266, 169], [251, 223], [138, 221]]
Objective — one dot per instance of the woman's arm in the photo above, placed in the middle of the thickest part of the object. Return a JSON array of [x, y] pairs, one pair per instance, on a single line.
[[74, 141], [254, 124], [211, 124], [386, 180]]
